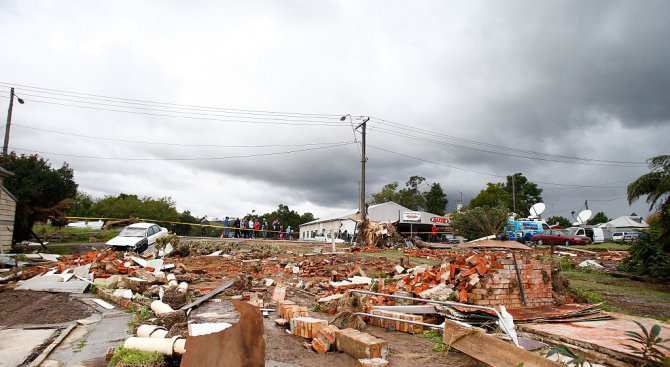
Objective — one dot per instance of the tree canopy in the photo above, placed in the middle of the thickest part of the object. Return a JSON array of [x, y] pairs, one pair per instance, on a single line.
[[42, 191], [433, 200], [288, 217], [516, 189], [599, 218], [561, 221]]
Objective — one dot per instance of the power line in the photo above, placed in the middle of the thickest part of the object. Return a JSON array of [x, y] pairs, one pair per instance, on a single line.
[[473, 171], [406, 135], [182, 159], [173, 144], [148, 102], [476, 142]]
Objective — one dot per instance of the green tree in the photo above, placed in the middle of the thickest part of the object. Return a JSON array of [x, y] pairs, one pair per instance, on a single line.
[[410, 197], [306, 217], [42, 192], [476, 222], [526, 193], [81, 205], [436, 200], [492, 196], [599, 218], [562, 221], [286, 217], [386, 194]]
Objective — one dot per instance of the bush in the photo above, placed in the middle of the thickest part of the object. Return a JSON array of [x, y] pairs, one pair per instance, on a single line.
[[647, 256], [134, 358]]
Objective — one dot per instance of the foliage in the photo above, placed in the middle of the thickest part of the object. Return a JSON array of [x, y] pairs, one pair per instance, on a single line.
[[42, 191], [656, 186], [435, 336], [516, 191], [561, 221], [286, 217], [72, 235], [600, 217], [565, 263], [81, 205], [477, 222], [526, 193], [434, 200], [577, 360], [125, 357], [139, 317], [646, 256], [491, 196], [649, 344]]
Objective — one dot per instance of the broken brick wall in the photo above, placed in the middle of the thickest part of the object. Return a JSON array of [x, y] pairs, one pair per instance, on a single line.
[[501, 286]]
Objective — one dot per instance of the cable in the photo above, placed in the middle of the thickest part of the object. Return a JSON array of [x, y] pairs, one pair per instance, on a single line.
[[405, 135], [476, 142], [473, 171], [168, 111], [185, 106], [182, 159], [173, 144]]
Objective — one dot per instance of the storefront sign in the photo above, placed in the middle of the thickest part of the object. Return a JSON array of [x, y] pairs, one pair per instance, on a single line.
[[438, 220], [411, 216]]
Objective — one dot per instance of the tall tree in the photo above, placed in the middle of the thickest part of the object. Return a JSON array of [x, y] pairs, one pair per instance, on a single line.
[[599, 218], [386, 194], [436, 200], [410, 196], [492, 196], [42, 192], [526, 193], [561, 221]]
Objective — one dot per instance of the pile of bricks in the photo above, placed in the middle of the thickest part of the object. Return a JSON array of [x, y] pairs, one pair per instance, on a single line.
[[287, 310], [325, 339], [307, 327], [361, 345], [397, 325]]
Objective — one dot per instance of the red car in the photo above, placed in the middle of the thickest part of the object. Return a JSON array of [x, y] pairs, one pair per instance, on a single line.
[[558, 237]]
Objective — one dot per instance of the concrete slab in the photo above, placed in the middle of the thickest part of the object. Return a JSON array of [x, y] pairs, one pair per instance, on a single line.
[[18, 344]]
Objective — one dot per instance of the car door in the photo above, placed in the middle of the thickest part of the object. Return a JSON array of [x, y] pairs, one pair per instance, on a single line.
[[151, 234]]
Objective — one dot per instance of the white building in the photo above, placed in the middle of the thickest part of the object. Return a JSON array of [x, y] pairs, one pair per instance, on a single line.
[[343, 224]]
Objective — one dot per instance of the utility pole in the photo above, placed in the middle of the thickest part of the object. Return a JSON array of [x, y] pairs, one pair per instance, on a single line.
[[513, 195], [363, 160], [9, 120]]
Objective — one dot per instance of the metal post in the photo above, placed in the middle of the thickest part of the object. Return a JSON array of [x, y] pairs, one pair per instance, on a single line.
[[9, 122]]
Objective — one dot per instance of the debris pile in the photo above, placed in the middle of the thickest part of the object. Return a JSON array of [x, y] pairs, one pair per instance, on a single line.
[[378, 234]]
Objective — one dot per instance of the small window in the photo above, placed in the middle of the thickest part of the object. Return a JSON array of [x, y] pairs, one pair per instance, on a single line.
[[152, 230]]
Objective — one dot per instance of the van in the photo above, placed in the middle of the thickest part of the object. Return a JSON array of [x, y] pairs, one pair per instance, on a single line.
[[596, 234]]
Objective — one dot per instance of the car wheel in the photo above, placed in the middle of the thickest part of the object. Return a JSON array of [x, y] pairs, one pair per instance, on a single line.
[[567, 242], [540, 243]]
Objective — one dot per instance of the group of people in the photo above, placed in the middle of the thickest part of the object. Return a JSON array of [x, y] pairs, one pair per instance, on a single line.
[[249, 227]]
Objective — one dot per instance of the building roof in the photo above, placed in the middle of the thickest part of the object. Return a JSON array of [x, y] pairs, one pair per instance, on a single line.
[[626, 221], [385, 212]]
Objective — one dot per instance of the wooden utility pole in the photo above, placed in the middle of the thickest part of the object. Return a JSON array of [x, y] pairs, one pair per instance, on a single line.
[[363, 160], [9, 122]]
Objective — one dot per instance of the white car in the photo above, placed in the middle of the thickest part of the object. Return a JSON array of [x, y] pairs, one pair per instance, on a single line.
[[137, 237]]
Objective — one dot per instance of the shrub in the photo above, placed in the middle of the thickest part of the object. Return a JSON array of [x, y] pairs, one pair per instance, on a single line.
[[647, 256]]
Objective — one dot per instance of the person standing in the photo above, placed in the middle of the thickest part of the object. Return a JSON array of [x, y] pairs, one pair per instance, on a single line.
[[250, 225], [433, 232], [275, 229], [264, 226], [289, 235], [226, 230], [257, 228], [237, 227], [281, 232]]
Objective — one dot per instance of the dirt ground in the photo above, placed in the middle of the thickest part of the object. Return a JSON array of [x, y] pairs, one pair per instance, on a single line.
[[39, 308]]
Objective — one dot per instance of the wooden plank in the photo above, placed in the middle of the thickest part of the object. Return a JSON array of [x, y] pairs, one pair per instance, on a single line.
[[209, 295], [490, 350]]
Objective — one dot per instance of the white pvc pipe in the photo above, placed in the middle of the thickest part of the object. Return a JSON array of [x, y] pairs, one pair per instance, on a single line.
[[151, 331], [171, 277], [160, 345], [160, 308], [183, 287]]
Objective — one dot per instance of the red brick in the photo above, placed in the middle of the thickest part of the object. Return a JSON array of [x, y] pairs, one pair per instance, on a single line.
[[361, 345]]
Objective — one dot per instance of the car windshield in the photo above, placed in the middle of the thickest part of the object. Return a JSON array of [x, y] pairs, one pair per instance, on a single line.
[[564, 232], [133, 232]]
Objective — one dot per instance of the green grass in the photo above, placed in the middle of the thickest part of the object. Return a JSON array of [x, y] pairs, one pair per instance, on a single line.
[[435, 336], [59, 250], [134, 358], [621, 294], [77, 348], [608, 246], [139, 317], [72, 235]]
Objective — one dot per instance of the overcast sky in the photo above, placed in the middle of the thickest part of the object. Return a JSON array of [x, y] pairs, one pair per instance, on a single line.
[[573, 94]]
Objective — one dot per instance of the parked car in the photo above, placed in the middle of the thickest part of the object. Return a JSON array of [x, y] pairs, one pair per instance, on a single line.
[[597, 235], [618, 236], [631, 236], [560, 237], [137, 237]]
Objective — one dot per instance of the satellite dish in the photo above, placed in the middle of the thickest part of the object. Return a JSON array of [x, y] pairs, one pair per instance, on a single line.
[[583, 216], [537, 209]]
